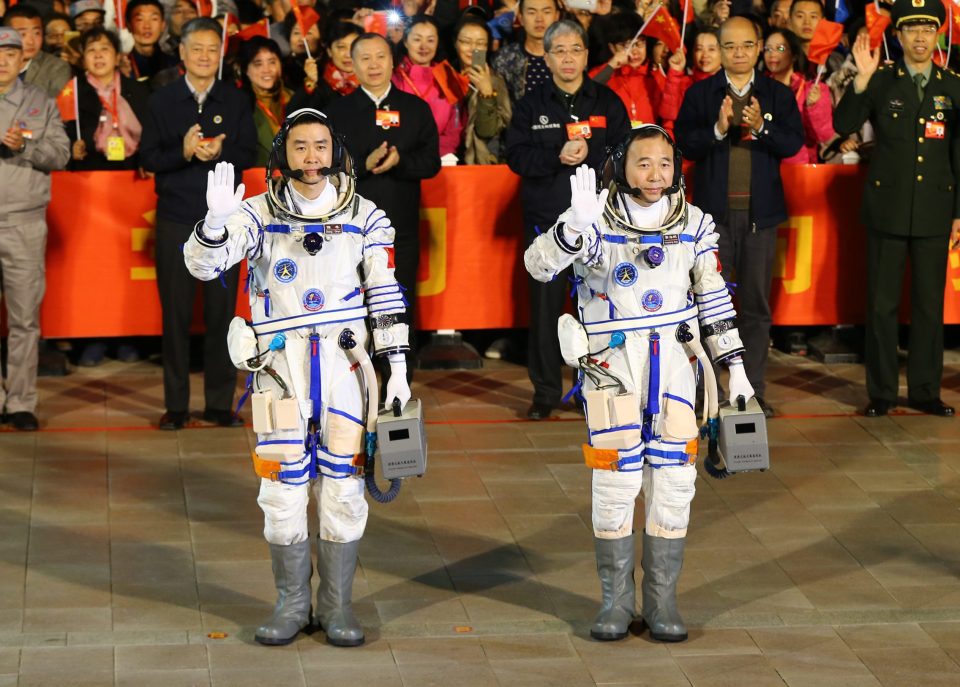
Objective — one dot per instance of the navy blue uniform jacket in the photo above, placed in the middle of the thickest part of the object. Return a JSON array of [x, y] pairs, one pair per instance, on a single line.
[[781, 137]]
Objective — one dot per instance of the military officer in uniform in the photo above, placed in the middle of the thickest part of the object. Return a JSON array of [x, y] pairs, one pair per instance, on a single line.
[[911, 205]]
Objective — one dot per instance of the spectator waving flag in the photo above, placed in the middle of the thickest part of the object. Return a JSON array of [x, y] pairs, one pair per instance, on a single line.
[[307, 18], [826, 37], [662, 26], [876, 25]]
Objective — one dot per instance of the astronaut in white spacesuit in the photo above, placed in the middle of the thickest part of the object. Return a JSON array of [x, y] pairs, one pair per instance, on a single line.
[[648, 281], [320, 262]]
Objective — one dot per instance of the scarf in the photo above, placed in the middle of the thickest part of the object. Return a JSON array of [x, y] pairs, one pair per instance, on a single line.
[[344, 84], [128, 125]]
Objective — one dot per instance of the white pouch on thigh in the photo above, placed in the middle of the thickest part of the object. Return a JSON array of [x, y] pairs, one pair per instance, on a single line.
[[613, 419], [679, 421]]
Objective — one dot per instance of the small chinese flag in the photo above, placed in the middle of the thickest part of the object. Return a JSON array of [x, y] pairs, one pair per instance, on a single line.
[[204, 8], [689, 15], [307, 17], [67, 101], [826, 37], [662, 26], [260, 28], [876, 25], [375, 23], [953, 15]]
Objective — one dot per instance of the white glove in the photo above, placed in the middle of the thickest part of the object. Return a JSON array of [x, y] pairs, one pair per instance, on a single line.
[[586, 207], [222, 200], [739, 384], [241, 343], [397, 386]]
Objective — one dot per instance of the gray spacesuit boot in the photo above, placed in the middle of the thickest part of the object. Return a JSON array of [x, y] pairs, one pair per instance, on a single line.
[[292, 567], [615, 563], [661, 562], [337, 564]]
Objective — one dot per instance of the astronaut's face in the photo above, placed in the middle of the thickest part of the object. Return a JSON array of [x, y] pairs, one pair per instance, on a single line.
[[310, 149], [649, 167]]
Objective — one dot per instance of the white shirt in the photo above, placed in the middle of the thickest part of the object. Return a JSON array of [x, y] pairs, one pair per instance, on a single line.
[[375, 99]]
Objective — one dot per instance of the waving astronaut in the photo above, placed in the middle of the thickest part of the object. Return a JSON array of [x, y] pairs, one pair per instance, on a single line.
[[320, 262], [648, 281]]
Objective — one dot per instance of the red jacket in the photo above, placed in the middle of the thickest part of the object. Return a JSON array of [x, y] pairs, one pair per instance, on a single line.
[[674, 89], [638, 89]]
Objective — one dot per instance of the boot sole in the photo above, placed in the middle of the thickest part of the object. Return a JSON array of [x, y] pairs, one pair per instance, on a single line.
[[609, 636], [346, 642], [668, 638], [271, 641]]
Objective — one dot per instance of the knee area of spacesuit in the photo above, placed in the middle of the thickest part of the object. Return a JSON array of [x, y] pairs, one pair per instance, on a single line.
[[284, 509], [343, 509], [614, 497], [668, 492]]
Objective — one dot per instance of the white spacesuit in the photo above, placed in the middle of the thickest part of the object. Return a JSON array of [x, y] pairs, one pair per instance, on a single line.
[[319, 269], [647, 277]]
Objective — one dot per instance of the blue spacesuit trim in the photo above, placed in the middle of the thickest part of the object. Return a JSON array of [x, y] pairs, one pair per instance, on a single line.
[[346, 415], [653, 390], [618, 428], [681, 400], [644, 322], [307, 228], [315, 395], [647, 240], [337, 315]]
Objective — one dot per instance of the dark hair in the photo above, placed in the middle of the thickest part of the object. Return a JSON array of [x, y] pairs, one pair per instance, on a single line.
[[468, 20], [95, 33], [612, 28], [340, 29], [290, 21], [369, 36], [200, 24], [417, 20], [814, 2], [23, 11], [556, 4], [54, 16], [249, 50], [134, 4], [796, 48]]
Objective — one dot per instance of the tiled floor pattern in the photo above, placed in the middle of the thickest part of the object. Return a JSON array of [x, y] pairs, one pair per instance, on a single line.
[[126, 554]]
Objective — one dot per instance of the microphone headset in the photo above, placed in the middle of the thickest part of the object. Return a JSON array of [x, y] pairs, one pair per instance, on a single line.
[[342, 162]]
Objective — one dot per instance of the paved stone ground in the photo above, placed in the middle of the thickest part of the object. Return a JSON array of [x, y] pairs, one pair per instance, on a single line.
[[127, 553]]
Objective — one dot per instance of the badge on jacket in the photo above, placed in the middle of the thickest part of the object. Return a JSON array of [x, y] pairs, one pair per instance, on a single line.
[[388, 118], [577, 130]]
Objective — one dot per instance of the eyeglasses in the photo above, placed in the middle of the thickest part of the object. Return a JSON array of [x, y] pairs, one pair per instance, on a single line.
[[479, 44], [774, 48], [733, 47], [920, 30], [575, 51]]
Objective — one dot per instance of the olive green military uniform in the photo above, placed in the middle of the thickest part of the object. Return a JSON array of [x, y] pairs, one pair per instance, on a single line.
[[909, 203]]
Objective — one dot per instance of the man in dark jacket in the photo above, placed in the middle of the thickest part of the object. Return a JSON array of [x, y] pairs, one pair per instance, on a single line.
[[192, 124], [911, 205], [737, 126], [554, 129], [393, 140]]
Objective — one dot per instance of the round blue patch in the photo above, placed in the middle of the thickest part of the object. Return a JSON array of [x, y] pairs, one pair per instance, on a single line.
[[313, 300], [285, 270], [651, 300], [625, 274]]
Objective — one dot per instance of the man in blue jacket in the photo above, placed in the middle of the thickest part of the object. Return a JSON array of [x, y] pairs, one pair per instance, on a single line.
[[192, 124], [554, 129], [737, 126]]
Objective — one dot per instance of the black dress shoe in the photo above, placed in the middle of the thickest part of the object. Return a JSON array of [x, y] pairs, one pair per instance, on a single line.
[[767, 409], [877, 408], [932, 407], [24, 421], [539, 411], [173, 419], [222, 418]]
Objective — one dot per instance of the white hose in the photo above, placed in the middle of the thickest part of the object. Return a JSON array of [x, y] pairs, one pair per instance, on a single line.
[[711, 391]]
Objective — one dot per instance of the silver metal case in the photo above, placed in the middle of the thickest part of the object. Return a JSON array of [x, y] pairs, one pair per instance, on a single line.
[[402, 441], [743, 438]]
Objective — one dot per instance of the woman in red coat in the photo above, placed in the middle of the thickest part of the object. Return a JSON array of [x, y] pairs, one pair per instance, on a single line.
[[627, 71]]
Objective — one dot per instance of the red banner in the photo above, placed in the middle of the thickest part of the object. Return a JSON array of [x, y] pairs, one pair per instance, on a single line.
[[101, 277]]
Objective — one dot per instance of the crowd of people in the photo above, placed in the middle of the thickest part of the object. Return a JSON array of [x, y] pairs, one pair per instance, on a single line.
[[167, 88]]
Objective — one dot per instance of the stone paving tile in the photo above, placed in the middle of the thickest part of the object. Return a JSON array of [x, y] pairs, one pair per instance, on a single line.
[[121, 550]]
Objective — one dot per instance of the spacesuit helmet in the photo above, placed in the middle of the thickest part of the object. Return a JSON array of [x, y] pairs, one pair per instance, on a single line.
[[614, 177], [279, 174]]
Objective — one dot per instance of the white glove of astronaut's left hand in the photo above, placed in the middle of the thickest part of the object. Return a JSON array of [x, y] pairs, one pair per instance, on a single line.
[[397, 386], [739, 384], [222, 200], [586, 207]]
